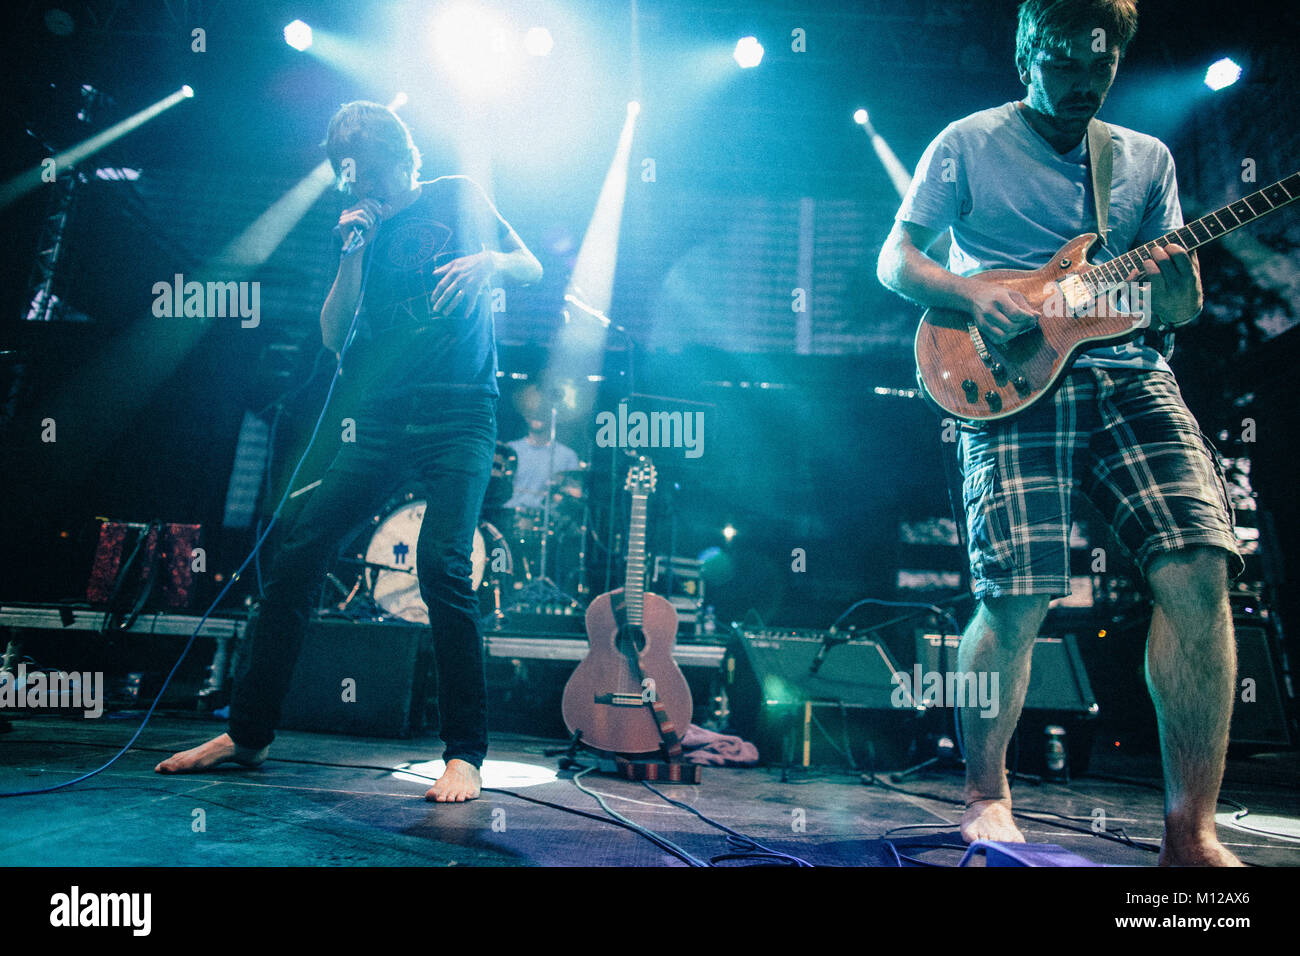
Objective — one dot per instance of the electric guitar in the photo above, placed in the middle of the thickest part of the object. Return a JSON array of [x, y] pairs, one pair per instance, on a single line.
[[628, 695], [974, 379]]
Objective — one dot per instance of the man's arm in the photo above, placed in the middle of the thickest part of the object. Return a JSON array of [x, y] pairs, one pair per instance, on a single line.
[[341, 302], [462, 280], [903, 267]]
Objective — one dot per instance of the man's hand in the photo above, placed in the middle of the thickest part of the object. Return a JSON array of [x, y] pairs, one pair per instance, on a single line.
[[364, 215], [461, 282], [999, 313], [1175, 285]]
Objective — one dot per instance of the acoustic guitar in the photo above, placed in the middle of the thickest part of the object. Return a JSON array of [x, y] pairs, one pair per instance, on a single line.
[[628, 695], [971, 378]]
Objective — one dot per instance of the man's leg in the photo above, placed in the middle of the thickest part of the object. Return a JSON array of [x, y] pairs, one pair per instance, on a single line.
[[268, 661], [456, 465], [999, 639], [1191, 668]]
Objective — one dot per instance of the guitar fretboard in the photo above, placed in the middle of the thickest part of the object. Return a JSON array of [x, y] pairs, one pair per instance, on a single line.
[[634, 583], [1102, 278]]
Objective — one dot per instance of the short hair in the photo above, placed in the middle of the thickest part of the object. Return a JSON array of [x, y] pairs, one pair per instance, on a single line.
[[1049, 24], [372, 126]]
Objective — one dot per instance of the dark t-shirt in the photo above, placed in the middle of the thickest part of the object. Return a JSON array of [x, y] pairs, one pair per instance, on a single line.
[[402, 344]]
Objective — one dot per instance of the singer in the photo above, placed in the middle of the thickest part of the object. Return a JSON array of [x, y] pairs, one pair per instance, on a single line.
[[416, 261]]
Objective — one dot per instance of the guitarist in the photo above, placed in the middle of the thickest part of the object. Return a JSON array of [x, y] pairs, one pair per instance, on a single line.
[[1011, 185], [425, 253]]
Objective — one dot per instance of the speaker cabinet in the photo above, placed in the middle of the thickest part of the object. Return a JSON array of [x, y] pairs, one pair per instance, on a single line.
[[363, 679], [842, 713], [1259, 709]]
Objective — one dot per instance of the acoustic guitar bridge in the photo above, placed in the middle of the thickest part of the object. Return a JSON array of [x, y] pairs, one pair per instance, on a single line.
[[620, 699]]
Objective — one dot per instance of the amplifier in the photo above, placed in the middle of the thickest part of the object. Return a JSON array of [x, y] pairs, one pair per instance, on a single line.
[[367, 679], [850, 709], [1057, 678], [1260, 711]]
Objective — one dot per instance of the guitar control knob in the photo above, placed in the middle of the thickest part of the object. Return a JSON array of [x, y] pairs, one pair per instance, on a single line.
[[972, 391], [1022, 385], [994, 400], [999, 373]]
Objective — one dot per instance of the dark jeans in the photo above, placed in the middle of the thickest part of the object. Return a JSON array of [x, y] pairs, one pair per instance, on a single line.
[[445, 445]]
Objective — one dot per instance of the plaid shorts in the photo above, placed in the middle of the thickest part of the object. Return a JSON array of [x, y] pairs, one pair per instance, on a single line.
[[1126, 441]]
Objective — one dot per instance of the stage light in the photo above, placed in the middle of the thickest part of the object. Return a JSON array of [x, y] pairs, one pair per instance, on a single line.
[[633, 108], [504, 774], [1222, 73], [749, 52], [187, 91], [538, 42], [475, 47], [31, 179], [298, 35], [860, 117], [399, 100], [729, 532]]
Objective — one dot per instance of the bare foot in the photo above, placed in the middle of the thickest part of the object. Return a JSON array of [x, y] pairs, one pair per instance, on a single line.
[[218, 750], [990, 820], [1201, 851], [459, 782]]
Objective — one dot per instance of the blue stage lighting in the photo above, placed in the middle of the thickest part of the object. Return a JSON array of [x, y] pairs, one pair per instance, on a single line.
[[749, 52], [538, 42], [298, 35], [476, 47], [1221, 74]]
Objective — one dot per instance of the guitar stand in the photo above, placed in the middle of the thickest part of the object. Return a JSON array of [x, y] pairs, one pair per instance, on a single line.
[[617, 765], [568, 755]]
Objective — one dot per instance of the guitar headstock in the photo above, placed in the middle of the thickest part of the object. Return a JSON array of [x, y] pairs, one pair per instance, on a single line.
[[641, 477]]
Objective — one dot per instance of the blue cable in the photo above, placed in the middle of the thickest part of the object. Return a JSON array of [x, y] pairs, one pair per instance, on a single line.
[[235, 577]]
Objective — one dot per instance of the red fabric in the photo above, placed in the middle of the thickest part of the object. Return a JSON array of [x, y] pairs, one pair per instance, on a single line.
[[713, 749]]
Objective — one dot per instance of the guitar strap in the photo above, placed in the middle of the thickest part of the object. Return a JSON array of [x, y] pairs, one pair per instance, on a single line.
[[670, 741], [1101, 162]]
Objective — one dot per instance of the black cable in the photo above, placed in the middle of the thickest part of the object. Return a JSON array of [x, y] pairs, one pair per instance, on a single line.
[[733, 834]]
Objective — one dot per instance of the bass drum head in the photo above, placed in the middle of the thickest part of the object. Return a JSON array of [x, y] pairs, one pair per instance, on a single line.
[[395, 587]]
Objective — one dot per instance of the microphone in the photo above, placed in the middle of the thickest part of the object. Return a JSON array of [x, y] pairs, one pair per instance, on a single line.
[[830, 640], [353, 241], [594, 313], [357, 234]]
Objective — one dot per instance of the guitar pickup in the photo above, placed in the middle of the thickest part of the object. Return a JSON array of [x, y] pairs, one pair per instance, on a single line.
[[1075, 295], [620, 699]]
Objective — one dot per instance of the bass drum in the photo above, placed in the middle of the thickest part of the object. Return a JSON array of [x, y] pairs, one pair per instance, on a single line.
[[391, 563]]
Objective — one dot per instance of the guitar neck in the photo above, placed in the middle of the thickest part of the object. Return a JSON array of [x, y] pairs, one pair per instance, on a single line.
[[1113, 273], [634, 582]]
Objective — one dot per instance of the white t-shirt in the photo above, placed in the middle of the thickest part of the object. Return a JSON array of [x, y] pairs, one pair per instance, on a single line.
[[1011, 201], [531, 474]]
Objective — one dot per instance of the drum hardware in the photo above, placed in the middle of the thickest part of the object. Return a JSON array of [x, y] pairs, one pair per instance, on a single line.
[[542, 592]]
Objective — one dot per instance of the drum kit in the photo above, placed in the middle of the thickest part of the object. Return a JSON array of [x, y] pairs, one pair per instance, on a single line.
[[523, 560]]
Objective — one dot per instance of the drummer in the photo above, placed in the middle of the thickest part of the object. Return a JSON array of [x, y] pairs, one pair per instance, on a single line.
[[536, 467]]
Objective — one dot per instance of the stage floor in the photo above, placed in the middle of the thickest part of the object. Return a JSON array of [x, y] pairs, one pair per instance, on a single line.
[[297, 810]]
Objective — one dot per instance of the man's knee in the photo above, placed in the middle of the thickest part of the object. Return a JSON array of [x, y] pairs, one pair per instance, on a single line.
[[1189, 577], [1015, 617]]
